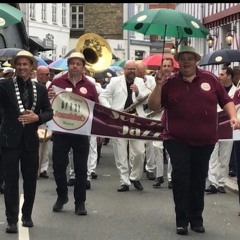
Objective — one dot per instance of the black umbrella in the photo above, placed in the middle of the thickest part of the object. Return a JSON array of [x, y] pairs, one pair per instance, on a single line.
[[105, 74], [221, 56], [8, 53]]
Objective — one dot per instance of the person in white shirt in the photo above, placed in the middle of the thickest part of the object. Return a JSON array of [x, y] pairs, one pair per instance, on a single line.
[[219, 161], [121, 93], [155, 149], [43, 76]]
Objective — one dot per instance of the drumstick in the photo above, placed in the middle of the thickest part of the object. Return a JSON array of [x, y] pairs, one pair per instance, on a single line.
[[42, 152]]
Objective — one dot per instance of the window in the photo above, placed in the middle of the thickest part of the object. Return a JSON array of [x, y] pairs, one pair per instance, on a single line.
[[77, 12], [64, 14], [32, 11], [64, 51], [54, 13], [44, 12], [54, 51]]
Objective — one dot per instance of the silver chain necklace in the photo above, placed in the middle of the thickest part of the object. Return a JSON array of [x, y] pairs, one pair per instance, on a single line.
[[19, 100]]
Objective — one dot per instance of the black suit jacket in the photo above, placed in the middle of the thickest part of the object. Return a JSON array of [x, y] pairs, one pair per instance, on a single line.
[[12, 131]]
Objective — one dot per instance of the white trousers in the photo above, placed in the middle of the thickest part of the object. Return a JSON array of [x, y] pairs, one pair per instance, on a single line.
[[219, 163], [129, 167], [92, 158], [150, 156], [158, 152], [44, 150], [45, 155]]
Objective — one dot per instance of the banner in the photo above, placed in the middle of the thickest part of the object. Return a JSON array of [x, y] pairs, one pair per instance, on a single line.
[[77, 115]]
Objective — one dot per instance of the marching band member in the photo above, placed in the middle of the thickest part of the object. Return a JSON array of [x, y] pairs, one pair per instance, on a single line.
[[220, 158], [190, 133], [123, 91], [43, 76], [63, 142], [155, 149], [25, 106]]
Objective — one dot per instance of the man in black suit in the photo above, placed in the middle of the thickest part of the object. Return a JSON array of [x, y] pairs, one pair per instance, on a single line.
[[25, 106], [1, 163]]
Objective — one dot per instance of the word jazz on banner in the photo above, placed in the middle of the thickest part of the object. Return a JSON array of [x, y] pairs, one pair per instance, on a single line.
[[77, 115]]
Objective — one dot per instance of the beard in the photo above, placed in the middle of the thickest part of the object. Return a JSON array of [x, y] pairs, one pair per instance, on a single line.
[[130, 77]]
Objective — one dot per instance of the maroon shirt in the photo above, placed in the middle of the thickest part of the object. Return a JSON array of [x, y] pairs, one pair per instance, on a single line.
[[190, 114], [85, 88], [236, 97]]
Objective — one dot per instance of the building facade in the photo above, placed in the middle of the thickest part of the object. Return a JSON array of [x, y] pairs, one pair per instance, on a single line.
[[54, 29], [47, 25], [60, 25], [221, 19]]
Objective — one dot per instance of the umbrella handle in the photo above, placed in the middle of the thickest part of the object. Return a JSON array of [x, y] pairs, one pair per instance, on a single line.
[[164, 41]]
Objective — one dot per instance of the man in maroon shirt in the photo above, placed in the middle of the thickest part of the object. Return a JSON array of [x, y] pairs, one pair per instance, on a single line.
[[236, 99], [190, 121], [75, 80]]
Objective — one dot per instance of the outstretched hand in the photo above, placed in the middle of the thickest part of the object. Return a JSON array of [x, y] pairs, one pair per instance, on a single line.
[[160, 77]]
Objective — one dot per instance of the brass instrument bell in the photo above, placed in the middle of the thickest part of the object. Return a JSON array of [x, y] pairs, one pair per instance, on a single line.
[[96, 51]]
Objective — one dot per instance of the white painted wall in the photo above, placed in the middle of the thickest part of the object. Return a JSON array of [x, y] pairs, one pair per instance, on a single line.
[[38, 28]]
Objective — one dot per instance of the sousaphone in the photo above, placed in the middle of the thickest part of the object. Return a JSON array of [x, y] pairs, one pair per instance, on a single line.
[[96, 51]]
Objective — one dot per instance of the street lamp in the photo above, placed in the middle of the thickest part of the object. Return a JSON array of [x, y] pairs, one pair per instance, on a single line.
[[173, 50], [229, 36], [211, 39]]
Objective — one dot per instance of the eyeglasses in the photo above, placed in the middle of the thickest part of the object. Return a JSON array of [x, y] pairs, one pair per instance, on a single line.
[[46, 74]]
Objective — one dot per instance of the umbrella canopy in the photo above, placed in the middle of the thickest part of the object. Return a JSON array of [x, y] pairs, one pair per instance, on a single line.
[[9, 15], [40, 61], [6, 64], [220, 56], [166, 22], [59, 64], [8, 53], [154, 61], [105, 74], [119, 63], [47, 60], [116, 68]]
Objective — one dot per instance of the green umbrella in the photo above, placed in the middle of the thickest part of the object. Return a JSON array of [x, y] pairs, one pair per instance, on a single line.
[[9, 15], [119, 63], [166, 22]]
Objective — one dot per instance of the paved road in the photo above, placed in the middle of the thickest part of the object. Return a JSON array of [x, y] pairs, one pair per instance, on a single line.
[[133, 215]]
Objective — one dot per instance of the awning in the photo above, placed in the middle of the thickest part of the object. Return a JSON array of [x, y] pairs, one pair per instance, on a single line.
[[37, 44]]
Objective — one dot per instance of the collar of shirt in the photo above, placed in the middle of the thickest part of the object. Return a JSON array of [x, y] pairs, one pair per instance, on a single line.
[[84, 78], [24, 83], [179, 74]]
